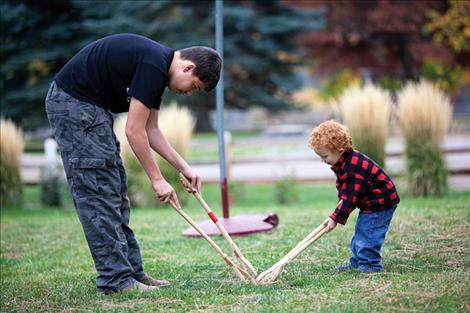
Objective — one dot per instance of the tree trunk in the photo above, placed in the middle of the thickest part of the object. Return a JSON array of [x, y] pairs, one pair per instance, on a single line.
[[406, 58]]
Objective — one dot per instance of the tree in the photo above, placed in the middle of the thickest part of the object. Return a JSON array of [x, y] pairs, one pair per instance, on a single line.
[[36, 38], [260, 53], [452, 27], [259, 61], [381, 37]]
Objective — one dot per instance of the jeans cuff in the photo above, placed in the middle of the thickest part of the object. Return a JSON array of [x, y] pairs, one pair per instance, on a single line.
[[368, 269]]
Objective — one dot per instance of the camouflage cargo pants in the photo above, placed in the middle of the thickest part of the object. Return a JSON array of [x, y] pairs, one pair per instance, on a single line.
[[98, 183]]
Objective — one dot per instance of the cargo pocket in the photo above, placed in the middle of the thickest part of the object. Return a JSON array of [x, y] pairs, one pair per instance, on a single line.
[[85, 176], [62, 128]]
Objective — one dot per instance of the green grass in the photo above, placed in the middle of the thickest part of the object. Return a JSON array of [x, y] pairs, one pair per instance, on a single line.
[[46, 266], [212, 136]]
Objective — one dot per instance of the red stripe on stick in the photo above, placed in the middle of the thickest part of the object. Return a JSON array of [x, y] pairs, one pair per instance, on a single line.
[[213, 217]]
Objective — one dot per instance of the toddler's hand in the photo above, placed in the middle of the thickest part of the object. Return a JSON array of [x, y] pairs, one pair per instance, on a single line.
[[329, 224]]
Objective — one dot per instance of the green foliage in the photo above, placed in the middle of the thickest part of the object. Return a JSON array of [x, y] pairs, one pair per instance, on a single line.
[[424, 113], [52, 188], [447, 77], [426, 169], [260, 53], [390, 83], [452, 27], [36, 39], [11, 187], [336, 84], [285, 191], [372, 146]]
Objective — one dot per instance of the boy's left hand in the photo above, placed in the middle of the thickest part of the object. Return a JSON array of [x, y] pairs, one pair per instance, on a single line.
[[193, 178], [329, 224]]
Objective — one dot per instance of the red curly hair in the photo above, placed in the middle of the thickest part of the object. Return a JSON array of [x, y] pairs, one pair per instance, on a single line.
[[331, 135]]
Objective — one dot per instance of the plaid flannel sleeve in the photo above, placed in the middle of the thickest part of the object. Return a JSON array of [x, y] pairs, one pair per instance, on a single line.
[[351, 187]]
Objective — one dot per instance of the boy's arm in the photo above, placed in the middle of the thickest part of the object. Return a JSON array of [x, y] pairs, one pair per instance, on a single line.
[[159, 143], [137, 137], [351, 187]]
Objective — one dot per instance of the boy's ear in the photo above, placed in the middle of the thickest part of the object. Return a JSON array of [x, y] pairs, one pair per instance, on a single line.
[[189, 67]]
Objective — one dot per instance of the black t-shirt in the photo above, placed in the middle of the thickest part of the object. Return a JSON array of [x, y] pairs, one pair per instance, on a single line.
[[110, 70]]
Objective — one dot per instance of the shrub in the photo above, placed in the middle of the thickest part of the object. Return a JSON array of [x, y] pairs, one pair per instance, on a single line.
[[447, 77], [51, 188], [366, 112], [424, 115], [285, 190], [177, 125], [11, 148], [335, 85]]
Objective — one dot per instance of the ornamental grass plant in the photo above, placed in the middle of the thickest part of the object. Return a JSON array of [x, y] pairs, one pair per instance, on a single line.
[[366, 112], [177, 124], [11, 148], [424, 115]]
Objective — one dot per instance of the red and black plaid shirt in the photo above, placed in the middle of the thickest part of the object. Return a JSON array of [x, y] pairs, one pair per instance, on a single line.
[[361, 183]]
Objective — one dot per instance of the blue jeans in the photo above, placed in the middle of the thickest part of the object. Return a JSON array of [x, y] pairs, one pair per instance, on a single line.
[[369, 236]]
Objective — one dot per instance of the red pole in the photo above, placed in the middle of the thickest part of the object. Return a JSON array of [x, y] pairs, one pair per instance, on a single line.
[[224, 190]]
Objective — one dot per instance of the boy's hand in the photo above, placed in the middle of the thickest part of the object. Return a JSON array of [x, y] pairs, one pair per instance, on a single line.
[[165, 193], [329, 224], [193, 178]]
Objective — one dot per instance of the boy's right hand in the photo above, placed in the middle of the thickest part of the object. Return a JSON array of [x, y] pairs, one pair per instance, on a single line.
[[165, 193], [329, 224]]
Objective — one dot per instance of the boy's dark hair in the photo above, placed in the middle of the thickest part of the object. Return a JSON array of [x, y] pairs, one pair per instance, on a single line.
[[208, 64]]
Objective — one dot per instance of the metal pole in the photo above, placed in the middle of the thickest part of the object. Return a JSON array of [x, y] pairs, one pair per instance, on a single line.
[[219, 46]]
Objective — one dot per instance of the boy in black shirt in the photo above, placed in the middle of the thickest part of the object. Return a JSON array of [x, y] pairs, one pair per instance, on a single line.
[[120, 73]]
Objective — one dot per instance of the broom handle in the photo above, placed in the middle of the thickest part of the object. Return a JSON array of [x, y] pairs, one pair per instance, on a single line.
[[227, 260], [307, 238], [236, 251], [277, 269], [304, 246], [283, 260]]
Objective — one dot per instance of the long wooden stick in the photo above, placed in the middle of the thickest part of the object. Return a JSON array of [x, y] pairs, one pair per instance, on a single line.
[[241, 273], [236, 251], [282, 260], [272, 273]]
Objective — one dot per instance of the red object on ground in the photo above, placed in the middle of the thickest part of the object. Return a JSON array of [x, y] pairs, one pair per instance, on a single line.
[[237, 225]]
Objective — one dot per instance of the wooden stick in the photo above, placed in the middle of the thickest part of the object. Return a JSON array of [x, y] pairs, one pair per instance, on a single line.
[[236, 251], [274, 271], [307, 238], [272, 268], [241, 273]]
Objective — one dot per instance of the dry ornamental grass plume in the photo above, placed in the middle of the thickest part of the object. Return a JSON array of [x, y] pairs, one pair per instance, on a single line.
[[11, 148], [177, 124], [424, 115], [366, 112], [424, 111]]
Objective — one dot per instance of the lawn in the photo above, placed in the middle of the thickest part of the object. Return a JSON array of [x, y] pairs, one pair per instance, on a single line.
[[46, 266]]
